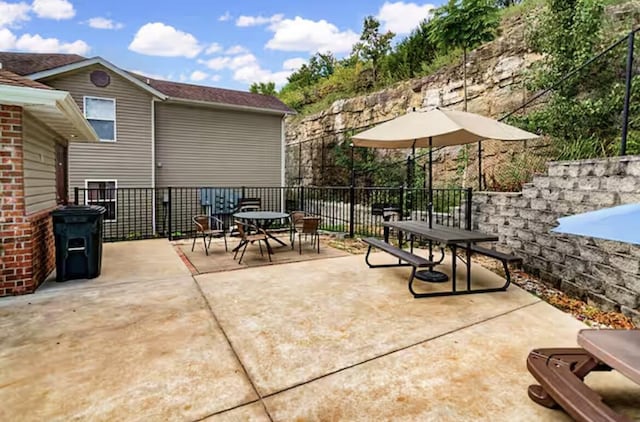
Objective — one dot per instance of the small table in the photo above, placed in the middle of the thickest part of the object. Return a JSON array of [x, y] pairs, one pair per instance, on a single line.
[[449, 236], [263, 220]]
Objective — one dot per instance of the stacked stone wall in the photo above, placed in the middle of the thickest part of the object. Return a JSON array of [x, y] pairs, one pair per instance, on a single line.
[[602, 272]]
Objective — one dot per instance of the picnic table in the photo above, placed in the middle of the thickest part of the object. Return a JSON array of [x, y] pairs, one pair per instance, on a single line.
[[450, 237]]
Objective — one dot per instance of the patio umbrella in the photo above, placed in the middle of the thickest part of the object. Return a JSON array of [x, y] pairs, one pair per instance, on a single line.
[[621, 223], [434, 128]]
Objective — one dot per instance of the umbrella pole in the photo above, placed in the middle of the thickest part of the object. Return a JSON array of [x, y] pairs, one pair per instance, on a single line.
[[430, 275]]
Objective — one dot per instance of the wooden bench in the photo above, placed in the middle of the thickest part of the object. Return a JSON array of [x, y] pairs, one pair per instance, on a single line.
[[405, 258], [506, 259]]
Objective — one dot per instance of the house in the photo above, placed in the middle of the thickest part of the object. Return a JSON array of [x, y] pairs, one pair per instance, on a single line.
[[36, 125], [158, 134]]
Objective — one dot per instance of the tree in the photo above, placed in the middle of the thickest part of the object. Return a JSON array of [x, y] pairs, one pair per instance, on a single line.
[[373, 45], [320, 66], [409, 55], [464, 24], [268, 88]]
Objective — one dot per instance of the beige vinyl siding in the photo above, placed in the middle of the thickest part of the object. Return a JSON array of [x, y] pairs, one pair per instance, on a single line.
[[39, 165], [201, 146], [128, 160]]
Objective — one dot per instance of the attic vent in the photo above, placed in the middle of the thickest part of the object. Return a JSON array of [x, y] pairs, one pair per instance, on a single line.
[[100, 78]]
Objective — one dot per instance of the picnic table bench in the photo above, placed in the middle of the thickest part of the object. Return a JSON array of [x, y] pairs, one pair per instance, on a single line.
[[451, 237]]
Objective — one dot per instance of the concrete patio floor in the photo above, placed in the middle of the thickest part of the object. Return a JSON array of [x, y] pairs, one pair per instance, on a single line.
[[315, 340]]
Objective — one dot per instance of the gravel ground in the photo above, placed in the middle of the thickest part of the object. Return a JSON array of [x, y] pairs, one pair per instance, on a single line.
[[589, 314]]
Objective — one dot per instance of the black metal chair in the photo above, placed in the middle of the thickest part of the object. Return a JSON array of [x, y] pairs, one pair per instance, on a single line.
[[209, 227]]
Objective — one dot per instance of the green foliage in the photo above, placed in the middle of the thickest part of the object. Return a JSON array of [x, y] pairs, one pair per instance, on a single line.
[[568, 34], [515, 172], [373, 45], [321, 65], [409, 55], [464, 24], [263, 88], [507, 3], [371, 169]]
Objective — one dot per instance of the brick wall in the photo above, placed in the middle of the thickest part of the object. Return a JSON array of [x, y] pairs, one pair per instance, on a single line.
[[26, 241], [602, 272]]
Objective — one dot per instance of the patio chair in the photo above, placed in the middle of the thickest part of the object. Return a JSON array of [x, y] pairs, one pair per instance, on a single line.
[[309, 227], [295, 221], [561, 372], [249, 204], [208, 226], [248, 234]]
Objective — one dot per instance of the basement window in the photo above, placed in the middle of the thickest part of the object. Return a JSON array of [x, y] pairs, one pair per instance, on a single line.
[[101, 115], [103, 193]]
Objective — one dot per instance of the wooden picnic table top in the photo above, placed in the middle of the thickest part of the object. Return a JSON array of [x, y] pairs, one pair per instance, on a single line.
[[439, 233], [620, 349]]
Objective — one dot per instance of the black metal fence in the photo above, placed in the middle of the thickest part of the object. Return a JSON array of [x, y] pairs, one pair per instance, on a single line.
[[144, 213]]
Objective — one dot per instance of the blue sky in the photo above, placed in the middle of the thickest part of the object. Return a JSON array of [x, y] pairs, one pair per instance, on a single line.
[[220, 43]]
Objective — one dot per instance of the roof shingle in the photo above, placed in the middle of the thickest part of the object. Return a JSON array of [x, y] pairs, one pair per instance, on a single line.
[[28, 63], [10, 78]]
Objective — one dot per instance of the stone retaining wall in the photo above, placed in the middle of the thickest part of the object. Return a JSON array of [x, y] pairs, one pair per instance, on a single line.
[[601, 272]]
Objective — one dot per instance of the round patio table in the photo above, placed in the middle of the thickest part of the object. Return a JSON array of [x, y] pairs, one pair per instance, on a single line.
[[263, 220]]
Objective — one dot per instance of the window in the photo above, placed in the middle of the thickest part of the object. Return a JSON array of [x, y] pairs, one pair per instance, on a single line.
[[101, 114], [104, 194]]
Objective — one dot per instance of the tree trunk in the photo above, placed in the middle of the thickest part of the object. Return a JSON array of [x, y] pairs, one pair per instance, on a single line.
[[464, 76]]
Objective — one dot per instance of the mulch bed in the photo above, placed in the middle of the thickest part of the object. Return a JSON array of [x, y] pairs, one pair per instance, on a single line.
[[589, 314]]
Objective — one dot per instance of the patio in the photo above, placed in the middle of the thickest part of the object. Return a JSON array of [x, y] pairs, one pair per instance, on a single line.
[[324, 339]]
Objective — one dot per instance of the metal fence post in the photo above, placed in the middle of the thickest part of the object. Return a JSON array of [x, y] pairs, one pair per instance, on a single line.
[[244, 195], [627, 95], [352, 210], [301, 207], [76, 191], [169, 224], [468, 209], [401, 202]]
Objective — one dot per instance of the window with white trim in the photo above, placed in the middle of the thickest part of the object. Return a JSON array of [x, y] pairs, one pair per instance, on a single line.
[[103, 193], [101, 115]]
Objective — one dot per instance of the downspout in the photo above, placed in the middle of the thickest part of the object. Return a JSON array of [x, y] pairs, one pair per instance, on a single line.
[[153, 164], [282, 161]]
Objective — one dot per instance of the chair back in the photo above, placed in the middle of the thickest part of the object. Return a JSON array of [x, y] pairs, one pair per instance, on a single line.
[[201, 222], [310, 224], [296, 216], [241, 230], [249, 204]]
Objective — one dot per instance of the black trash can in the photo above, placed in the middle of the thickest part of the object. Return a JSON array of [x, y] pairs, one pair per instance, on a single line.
[[78, 236]]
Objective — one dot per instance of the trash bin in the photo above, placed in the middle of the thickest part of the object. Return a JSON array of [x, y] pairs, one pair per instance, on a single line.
[[78, 238]]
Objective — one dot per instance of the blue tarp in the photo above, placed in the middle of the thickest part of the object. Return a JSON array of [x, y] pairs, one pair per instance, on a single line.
[[221, 200]]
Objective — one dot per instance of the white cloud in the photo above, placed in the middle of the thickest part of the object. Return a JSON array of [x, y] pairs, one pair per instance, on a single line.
[[236, 49], [104, 23], [198, 76], [255, 73], [158, 39], [54, 9], [7, 39], [227, 16], [401, 17], [213, 48], [294, 64], [301, 34], [38, 44], [235, 62], [258, 20], [215, 78], [11, 14]]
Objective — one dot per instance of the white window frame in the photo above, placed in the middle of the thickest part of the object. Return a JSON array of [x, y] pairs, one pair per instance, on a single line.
[[114, 200], [115, 124]]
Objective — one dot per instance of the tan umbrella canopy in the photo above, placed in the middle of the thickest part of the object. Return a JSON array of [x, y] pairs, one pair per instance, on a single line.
[[437, 127]]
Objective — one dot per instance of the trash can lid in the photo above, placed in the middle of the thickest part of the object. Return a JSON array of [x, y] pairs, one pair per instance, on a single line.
[[69, 210]]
